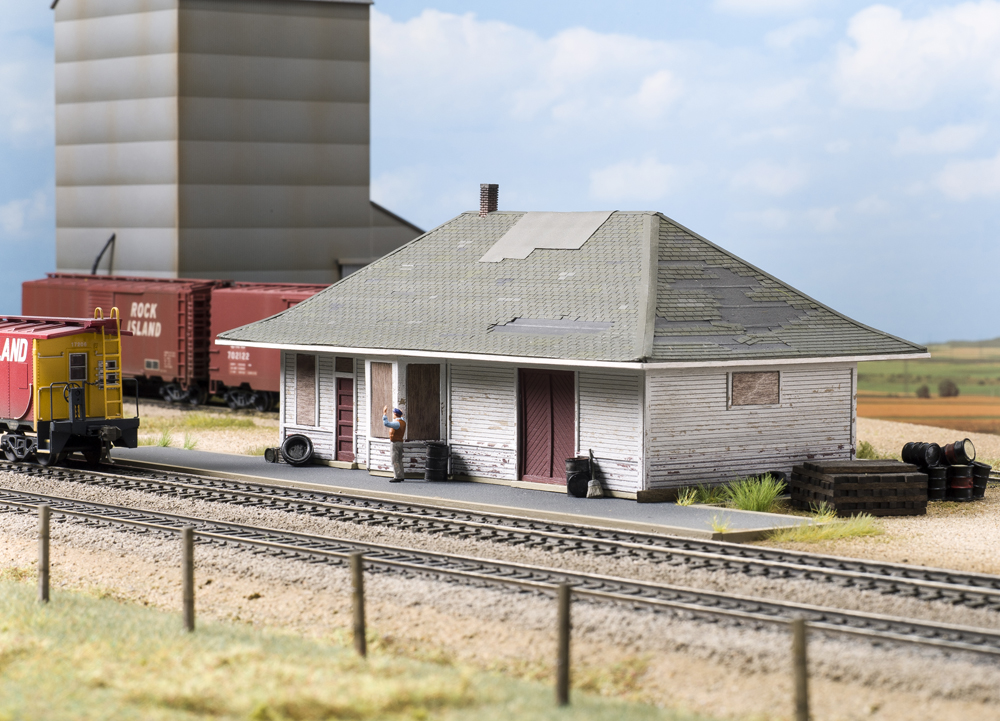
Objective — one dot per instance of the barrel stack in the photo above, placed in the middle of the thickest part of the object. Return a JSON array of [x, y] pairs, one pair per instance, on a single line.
[[879, 488]]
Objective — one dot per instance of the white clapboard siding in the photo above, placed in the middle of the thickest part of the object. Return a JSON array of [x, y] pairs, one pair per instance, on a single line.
[[360, 411], [322, 440], [327, 394], [288, 392], [414, 456], [692, 437], [483, 432], [610, 417]]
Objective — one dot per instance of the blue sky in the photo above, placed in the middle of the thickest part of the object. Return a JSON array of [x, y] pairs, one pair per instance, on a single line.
[[848, 148]]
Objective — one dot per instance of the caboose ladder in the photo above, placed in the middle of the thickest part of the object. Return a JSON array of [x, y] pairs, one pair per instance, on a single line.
[[110, 368]]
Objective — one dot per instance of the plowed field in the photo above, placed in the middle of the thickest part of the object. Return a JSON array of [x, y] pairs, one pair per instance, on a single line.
[[975, 414]]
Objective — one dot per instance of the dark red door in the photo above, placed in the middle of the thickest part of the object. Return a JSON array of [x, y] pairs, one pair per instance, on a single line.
[[548, 424], [345, 419]]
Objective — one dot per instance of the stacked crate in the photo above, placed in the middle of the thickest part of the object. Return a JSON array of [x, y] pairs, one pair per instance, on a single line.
[[879, 488]]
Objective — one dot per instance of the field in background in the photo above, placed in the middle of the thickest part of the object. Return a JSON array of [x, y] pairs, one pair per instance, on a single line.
[[887, 390]]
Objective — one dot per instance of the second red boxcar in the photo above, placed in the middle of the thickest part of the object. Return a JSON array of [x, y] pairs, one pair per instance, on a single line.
[[169, 319], [250, 377]]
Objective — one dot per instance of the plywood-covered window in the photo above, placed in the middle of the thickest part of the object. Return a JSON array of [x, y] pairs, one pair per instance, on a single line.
[[305, 390], [423, 402], [381, 395], [756, 389]]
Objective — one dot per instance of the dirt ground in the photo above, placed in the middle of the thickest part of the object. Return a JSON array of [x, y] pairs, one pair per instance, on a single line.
[[207, 428]]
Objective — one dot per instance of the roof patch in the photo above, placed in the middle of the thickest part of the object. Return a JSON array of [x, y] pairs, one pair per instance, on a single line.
[[558, 231]]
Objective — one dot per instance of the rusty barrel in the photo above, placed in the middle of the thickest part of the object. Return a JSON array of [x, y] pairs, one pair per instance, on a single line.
[[960, 453], [937, 483], [980, 477], [959, 483]]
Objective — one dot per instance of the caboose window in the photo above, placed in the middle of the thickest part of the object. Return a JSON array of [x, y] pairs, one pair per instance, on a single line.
[[78, 367]]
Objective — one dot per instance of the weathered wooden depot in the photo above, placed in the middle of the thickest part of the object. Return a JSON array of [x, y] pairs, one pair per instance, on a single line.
[[522, 339]]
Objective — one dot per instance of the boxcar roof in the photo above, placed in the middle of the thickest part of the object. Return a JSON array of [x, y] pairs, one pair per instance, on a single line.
[[42, 328], [125, 283], [611, 287]]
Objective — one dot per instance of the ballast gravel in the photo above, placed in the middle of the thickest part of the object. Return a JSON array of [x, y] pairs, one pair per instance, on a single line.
[[716, 669]]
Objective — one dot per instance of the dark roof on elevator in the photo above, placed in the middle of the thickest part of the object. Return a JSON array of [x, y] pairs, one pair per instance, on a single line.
[[584, 299]]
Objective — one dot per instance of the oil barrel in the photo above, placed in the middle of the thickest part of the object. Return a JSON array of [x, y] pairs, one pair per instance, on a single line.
[[937, 483], [980, 477], [960, 453], [959, 483], [436, 462], [577, 483]]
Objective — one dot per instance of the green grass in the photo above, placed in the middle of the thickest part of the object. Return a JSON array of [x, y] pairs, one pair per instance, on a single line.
[[754, 494], [974, 367], [720, 523], [827, 527], [255, 450], [165, 439], [196, 421], [85, 658], [189, 442], [687, 496]]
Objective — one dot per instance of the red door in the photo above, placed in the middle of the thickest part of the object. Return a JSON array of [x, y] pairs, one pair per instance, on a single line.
[[548, 424], [345, 419]]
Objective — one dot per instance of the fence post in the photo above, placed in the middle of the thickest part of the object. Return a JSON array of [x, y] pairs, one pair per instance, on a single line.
[[358, 580], [187, 576], [800, 670], [562, 645], [43, 553]]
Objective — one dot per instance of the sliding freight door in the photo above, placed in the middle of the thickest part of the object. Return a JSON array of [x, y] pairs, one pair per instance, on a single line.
[[548, 424]]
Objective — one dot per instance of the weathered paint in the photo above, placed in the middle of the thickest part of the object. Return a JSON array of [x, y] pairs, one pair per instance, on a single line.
[[692, 436], [610, 422], [360, 411], [483, 410]]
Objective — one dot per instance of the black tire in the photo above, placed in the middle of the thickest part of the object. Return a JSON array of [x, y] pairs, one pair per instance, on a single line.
[[196, 395], [576, 484], [297, 450]]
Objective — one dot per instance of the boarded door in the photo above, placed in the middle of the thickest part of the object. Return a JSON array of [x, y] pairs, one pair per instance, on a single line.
[[381, 397], [423, 402], [305, 390], [548, 424], [345, 419]]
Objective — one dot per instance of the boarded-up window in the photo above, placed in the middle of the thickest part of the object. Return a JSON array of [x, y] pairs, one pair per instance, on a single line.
[[423, 402], [755, 389], [305, 390], [344, 365], [381, 378]]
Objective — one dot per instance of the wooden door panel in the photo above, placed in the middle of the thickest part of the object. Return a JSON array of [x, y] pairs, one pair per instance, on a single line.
[[563, 421], [548, 424], [381, 391], [345, 419]]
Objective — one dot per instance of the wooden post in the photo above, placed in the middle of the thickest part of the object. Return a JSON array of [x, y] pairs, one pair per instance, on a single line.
[[800, 670], [187, 576], [358, 579], [43, 553], [562, 646]]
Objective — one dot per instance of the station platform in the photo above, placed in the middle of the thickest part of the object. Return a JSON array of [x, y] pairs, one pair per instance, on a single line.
[[665, 518]]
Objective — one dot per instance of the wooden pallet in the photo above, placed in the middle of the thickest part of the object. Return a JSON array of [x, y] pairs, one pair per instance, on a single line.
[[880, 488]]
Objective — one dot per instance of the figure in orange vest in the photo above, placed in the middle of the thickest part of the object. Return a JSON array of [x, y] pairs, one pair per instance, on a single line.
[[397, 429]]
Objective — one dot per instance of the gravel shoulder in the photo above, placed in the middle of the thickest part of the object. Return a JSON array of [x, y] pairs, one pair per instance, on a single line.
[[715, 669]]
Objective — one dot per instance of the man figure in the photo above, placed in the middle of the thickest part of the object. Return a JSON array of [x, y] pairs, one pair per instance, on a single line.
[[397, 429]]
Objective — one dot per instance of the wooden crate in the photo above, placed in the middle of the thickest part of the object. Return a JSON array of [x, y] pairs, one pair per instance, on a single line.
[[880, 488]]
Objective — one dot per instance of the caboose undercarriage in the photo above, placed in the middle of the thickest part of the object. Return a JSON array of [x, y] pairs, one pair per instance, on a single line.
[[54, 440]]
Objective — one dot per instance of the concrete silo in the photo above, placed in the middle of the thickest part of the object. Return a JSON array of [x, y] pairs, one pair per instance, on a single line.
[[216, 138]]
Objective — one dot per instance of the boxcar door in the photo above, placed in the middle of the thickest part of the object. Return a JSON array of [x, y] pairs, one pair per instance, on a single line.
[[345, 419], [548, 424]]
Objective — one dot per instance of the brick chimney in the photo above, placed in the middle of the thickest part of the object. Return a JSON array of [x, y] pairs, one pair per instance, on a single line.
[[488, 193]]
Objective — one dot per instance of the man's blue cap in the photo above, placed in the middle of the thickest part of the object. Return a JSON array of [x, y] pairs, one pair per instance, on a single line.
[[397, 411]]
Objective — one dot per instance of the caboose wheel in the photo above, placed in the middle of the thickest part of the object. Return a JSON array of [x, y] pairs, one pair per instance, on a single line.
[[92, 456], [49, 459]]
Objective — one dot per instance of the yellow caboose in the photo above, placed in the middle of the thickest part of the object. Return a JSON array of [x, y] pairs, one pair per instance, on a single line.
[[61, 388]]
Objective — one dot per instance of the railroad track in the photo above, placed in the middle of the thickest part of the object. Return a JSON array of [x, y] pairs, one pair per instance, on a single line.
[[954, 587], [484, 572]]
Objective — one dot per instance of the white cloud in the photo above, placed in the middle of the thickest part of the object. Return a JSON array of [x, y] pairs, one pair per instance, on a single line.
[[872, 205], [762, 7], [769, 178], [769, 218], [949, 139], [969, 179], [636, 181], [794, 33], [823, 219], [15, 214], [900, 64]]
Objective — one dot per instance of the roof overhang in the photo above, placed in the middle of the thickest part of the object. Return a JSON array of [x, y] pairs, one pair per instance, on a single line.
[[526, 360]]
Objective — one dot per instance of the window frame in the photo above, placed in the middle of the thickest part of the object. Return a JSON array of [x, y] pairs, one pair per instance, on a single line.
[[86, 368]]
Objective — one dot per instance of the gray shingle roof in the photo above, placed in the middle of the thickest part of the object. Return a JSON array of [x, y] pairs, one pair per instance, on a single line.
[[435, 295]]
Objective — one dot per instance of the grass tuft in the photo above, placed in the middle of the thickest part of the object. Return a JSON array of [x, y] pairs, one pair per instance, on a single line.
[[825, 529], [687, 496], [720, 524], [711, 495], [754, 494], [255, 450], [189, 442], [165, 439], [866, 452]]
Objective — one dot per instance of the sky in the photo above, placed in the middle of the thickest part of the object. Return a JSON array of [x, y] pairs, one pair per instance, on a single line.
[[848, 148]]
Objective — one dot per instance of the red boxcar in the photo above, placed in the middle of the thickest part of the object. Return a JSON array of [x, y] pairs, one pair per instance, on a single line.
[[168, 317], [250, 377]]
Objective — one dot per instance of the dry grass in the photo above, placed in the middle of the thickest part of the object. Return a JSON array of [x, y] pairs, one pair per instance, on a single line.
[[973, 414], [207, 429], [828, 528], [82, 657]]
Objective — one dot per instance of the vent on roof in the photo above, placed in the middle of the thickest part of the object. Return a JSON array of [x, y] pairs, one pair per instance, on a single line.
[[488, 195]]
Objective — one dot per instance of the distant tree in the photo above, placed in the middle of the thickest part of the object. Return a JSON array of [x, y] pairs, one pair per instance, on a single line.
[[923, 392], [947, 389]]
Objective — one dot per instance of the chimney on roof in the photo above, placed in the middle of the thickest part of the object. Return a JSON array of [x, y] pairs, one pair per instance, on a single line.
[[488, 193]]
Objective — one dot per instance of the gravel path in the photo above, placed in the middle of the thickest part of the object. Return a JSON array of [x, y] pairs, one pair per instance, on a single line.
[[711, 668]]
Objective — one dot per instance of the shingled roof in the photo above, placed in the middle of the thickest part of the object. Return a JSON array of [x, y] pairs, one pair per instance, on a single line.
[[446, 292]]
